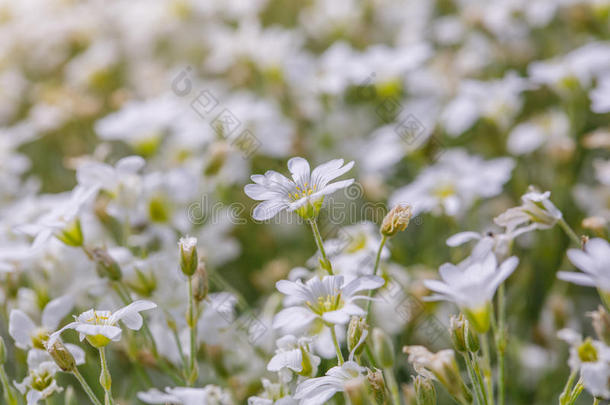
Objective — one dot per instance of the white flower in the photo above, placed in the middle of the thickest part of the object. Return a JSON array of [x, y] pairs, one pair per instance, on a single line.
[[304, 193], [471, 285], [62, 219], [600, 96], [453, 184], [294, 355], [100, 327], [498, 243], [40, 382], [536, 212], [551, 128], [317, 391], [273, 394], [594, 261], [209, 395], [25, 332], [592, 358], [329, 299]]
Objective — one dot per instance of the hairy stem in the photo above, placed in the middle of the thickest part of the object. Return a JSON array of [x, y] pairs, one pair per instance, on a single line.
[[569, 231], [336, 343]]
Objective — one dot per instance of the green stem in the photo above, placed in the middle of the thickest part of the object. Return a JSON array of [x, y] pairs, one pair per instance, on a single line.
[[384, 239], [86, 387], [487, 368], [476, 380], [570, 232], [479, 377], [320, 243], [192, 322], [576, 392], [369, 355], [180, 349], [9, 394], [567, 389], [501, 342], [392, 385], [595, 401], [336, 343], [105, 379]]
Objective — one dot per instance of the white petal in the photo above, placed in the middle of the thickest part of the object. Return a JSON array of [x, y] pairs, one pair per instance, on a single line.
[[577, 278], [21, 328], [299, 168], [293, 318], [362, 284], [111, 332], [583, 261], [268, 209], [77, 352], [130, 315], [462, 237], [292, 359], [130, 164], [56, 310], [339, 317]]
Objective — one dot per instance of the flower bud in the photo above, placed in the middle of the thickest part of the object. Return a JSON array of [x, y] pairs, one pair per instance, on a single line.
[[106, 266], [356, 329], [188, 255], [396, 220], [62, 356], [200, 283], [72, 234], [2, 351], [601, 324], [425, 393], [462, 335], [356, 391], [377, 383], [383, 348]]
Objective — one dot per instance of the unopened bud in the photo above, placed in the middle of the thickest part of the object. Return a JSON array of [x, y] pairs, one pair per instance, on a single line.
[[463, 337], [72, 234], [355, 331], [188, 255], [601, 324], [356, 391], [200, 283], [106, 266], [62, 356], [424, 391], [383, 348], [2, 351], [396, 220], [377, 383]]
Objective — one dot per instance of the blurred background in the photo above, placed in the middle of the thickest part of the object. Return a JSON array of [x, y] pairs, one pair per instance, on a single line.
[[414, 91]]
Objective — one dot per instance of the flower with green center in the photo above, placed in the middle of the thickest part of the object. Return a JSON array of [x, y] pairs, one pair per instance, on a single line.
[[304, 193], [100, 327], [471, 285], [329, 299]]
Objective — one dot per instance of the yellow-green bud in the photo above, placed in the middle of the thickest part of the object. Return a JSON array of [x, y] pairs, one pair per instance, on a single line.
[[72, 234], [62, 356], [425, 393], [2, 352], [462, 335], [601, 324], [383, 348], [106, 266], [377, 384], [200, 283], [357, 327], [188, 255], [396, 220]]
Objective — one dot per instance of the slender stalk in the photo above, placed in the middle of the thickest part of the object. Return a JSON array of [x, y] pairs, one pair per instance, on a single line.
[[105, 379], [316, 233], [336, 343], [479, 377], [501, 342], [476, 381], [487, 368], [569, 231], [180, 349], [192, 322], [595, 401], [392, 385], [86, 387], [384, 239], [9, 394]]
